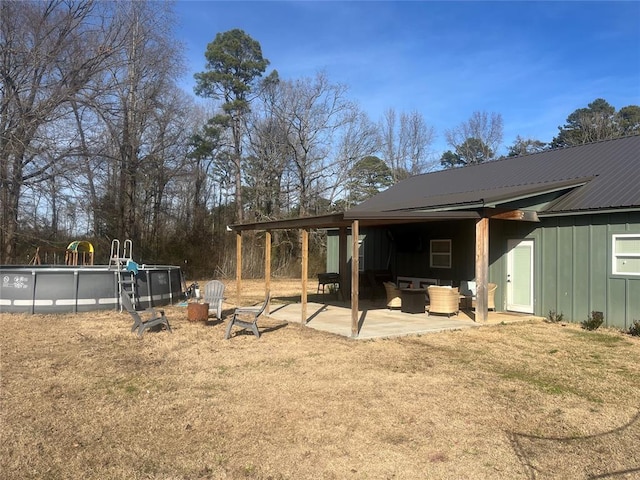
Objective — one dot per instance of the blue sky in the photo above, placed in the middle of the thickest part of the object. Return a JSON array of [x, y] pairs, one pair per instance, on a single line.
[[532, 62]]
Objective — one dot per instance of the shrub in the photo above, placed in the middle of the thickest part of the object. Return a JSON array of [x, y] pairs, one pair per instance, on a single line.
[[634, 329], [555, 317], [594, 321]]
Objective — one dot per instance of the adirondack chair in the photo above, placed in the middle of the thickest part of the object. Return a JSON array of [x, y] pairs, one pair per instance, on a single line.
[[214, 295], [143, 319], [247, 317]]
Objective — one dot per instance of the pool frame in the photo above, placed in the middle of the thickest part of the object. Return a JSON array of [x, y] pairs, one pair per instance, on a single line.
[[64, 289]]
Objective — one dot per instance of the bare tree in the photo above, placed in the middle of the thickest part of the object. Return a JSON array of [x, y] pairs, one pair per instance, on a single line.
[[477, 139], [526, 146], [165, 162], [264, 168], [358, 139], [405, 147], [312, 111], [415, 139], [139, 83], [389, 145], [49, 55]]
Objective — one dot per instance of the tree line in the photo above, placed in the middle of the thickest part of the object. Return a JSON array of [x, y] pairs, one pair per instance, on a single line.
[[477, 140], [98, 141]]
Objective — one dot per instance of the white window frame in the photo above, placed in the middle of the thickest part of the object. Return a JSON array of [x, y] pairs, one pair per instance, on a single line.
[[361, 254], [615, 256], [440, 254]]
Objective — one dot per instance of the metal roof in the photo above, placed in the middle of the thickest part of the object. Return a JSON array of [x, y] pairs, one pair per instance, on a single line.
[[592, 177], [597, 176]]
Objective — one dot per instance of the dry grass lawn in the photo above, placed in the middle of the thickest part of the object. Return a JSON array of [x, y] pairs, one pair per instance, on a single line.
[[83, 398]]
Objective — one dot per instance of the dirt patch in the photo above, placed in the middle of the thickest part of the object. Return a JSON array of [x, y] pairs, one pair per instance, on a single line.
[[83, 397]]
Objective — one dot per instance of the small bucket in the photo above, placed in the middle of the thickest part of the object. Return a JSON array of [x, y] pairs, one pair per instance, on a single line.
[[197, 312]]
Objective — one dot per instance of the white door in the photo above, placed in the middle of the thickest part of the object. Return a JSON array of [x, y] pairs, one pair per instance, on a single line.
[[520, 276]]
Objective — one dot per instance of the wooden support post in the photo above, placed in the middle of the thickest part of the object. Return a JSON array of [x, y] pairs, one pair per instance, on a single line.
[[355, 270], [238, 268], [482, 269], [267, 269], [305, 273]]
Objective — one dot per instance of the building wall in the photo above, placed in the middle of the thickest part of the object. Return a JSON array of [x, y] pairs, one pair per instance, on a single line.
[[573, 266], [573, 261], [404, 249], [374, 242]]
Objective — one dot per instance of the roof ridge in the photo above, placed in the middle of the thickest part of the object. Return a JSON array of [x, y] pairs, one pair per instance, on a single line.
[[521, 184], [524, 155]]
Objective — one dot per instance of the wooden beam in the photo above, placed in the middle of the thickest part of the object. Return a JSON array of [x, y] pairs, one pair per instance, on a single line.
[[482, 269], [238, 268], [518, 215], [267, 268], [305, 273], [322, 221], [355, 271]]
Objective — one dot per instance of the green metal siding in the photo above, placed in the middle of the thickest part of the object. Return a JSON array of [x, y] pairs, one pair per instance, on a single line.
[[598, 259], [379, 254], [576, 269], [374, 243], [617, 300], [633, 305], [546, 278], [376, 250], [564, 270], [500, 232], [573, 266], [581, 277], [333, 248]]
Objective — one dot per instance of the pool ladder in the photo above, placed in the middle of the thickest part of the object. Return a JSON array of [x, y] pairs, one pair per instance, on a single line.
[[126, 276]]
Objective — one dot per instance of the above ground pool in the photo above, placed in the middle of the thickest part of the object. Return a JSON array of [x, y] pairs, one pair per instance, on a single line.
[[60, 289]]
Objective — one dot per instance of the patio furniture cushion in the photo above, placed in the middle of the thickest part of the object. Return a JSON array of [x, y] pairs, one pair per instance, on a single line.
[[468, 288], [445, 300]]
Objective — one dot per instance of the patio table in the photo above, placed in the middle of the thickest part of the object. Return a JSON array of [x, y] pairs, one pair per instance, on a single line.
[[413, 300]]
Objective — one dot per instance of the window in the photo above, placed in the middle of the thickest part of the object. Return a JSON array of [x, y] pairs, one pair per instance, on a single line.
[[440, 254], [626, 254]]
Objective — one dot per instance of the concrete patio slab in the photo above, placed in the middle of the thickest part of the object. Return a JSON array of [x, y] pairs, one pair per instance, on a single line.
[[376, 321]]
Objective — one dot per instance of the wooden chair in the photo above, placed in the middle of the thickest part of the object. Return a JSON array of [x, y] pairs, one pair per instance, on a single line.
[[393, 295], [153, 317], [444, 300], [491, 301], [247, 317], [214, 295]]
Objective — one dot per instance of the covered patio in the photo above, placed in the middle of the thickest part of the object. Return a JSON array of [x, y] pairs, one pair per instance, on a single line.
[[376, 321], [349, 271]]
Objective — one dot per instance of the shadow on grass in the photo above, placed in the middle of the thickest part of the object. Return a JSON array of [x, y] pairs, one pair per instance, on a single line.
[[603, 455], [262, 330], [312, 298]]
